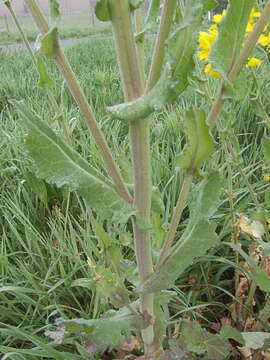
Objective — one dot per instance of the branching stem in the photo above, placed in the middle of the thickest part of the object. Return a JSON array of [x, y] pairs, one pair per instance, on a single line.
[[86, 110], [140, 148], [159, 50]]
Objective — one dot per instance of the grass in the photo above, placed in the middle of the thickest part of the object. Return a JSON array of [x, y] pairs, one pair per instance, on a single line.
[[45, 235], [76, 25]]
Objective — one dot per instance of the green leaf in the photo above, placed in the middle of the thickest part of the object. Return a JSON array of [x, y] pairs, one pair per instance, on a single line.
[[174, 79], [55, 15], [37, 186], [110, 331], [206, 196], [217, 348], [6, 2], [151, 19], [178, 18], [183, 42], [102, 10], [115, 255], [111, 286], [142, 107], [199, 239], [59, 164], [209, 4], [157, 204], [262, 280], [239, 90], [267, 197], [255, 340], [130, 271], [231, 36], [194, 337], [44, 79], [266, 149], [243, 254], [160, 323], [50, 44], [102, 236], [135, 4], [158, 233], [229, 332], [201, 144], [84, 282]]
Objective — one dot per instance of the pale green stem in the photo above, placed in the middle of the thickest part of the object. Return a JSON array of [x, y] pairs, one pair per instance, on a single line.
[[86, 110], [176, 218], [159, 50], [34, 61], [140, 147], [140, 44], [241, 60]]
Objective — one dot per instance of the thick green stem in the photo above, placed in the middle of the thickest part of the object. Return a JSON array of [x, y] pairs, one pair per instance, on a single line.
[[86, 110], [140, 44], [158, 55], [176, 218], [140, 147]]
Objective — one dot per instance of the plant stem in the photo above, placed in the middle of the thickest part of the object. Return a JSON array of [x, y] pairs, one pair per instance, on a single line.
[[139, 45], [158, 55], [34, 61], [176, 218], [140, 147], [86, 110]]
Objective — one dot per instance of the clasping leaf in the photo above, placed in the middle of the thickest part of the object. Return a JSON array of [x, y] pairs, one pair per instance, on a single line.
[[200, 143], [59, 164]]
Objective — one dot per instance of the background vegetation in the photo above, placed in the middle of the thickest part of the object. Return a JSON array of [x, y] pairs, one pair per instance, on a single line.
[[76, 25], [46, 239]]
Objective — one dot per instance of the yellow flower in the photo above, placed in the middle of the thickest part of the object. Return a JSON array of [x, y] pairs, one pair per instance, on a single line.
[[254, 62], [264, 40], [254, 14], [206, 39], [249, 28], [267, 177], [217, 18], [208, 71]]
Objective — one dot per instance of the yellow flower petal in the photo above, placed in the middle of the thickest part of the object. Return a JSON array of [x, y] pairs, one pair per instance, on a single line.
[[249, 28], [208, 71], [254, 62], [206, 39], [264, 40], [217, 18]]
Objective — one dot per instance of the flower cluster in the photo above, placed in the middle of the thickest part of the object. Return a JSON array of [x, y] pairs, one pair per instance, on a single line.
[[207, 38]]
